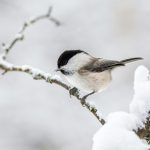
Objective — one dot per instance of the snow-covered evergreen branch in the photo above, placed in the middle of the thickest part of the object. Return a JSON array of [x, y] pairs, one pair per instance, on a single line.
[[123, 130]]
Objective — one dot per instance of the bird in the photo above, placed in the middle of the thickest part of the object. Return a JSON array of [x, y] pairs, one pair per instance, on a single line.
[[88, 73]]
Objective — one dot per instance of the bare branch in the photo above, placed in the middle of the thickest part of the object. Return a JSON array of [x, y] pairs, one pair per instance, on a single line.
[[36, 73], [20, 36], [40, 75]]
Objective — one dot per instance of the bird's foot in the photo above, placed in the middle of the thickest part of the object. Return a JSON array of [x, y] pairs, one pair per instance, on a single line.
[[74, 91], [83, 100]]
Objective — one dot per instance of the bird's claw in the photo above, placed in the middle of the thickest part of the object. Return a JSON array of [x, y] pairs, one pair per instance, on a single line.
[[74, 91], [83, 101], [84, 97]]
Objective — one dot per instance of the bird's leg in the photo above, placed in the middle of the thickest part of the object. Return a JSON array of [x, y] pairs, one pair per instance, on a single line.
[[85, 97], [74, 91]]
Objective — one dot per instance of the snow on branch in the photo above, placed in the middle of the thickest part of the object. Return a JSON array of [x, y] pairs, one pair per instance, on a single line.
[[140, 106], [38, 74], [41, 75], [20, 35], [122, 130]]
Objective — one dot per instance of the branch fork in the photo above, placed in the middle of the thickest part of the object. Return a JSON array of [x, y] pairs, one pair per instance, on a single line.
[[38, 74]]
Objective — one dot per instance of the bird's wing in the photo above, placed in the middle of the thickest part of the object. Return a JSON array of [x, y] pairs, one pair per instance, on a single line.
[[101, 65]]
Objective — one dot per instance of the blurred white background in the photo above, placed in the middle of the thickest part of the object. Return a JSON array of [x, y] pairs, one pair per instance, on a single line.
[[37, 116]]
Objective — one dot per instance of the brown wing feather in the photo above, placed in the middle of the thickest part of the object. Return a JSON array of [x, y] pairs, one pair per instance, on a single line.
[[101, 65]]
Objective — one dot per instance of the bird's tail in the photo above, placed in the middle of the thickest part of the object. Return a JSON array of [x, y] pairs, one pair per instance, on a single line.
[[125, 61]]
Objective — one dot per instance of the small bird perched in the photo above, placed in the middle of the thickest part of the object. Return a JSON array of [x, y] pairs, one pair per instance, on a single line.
[[86, 72]]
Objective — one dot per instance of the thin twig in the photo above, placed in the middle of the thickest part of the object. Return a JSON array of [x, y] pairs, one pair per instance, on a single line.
[[36, 73], [40, 75], [20, 36]]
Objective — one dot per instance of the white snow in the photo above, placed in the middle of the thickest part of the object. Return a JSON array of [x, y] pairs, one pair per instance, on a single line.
[[37, 72], [56, 77], [117, 133], [92, 103], [5, 46], [19, 36], [104, 28], [31, 19], [5, 63], [140, 106]]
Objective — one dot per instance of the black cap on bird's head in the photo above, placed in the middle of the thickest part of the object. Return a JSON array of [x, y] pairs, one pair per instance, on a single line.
[[66, 56]]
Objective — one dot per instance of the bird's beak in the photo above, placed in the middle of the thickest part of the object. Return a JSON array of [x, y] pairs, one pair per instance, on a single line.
[[57, 70]]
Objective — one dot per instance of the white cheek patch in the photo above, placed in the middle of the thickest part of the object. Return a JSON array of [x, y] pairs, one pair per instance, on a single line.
[[78, 61]]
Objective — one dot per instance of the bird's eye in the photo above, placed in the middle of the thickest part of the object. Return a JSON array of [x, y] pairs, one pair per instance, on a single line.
[[65, 72]]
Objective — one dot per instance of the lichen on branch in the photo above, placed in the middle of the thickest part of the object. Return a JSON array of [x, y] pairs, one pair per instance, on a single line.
[[38, 74]]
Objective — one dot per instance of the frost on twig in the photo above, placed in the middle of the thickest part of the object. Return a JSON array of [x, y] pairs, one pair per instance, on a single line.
[[38, 74], [20, 35]]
